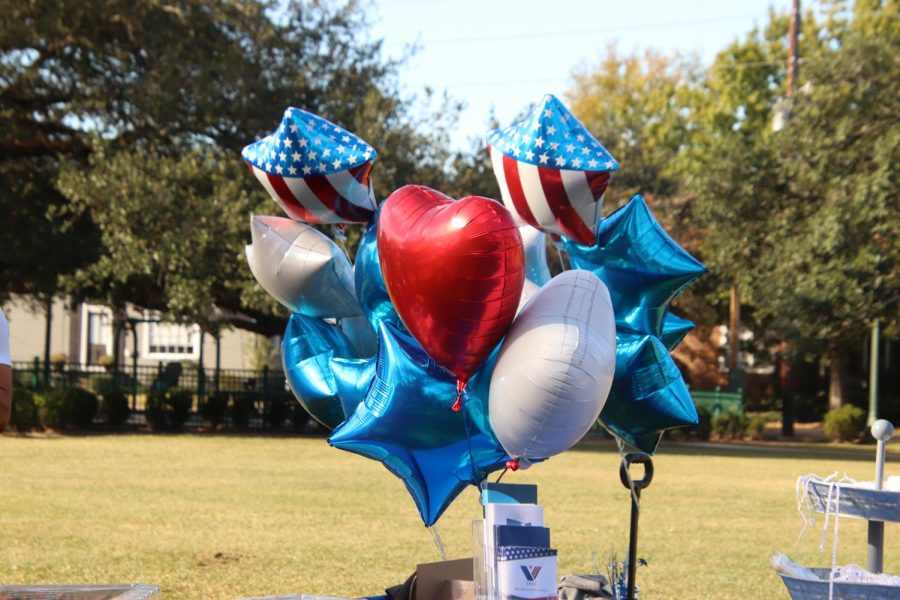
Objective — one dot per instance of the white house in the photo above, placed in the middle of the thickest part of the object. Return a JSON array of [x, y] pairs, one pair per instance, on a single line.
[[84, 334]]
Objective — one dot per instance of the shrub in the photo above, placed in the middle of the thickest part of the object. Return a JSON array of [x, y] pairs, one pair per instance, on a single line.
[[703, 428], [178, 405], [168, 411], [24, 415], [65, 407], [241, 411], [215, 407], [155, 411], [84, 407], [115, 408], [102, 385], [845, 423], [279, 410], [730, 426], [53, 409], [755, 426]]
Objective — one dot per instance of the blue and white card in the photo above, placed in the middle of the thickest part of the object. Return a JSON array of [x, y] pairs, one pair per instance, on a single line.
[[526, 573]]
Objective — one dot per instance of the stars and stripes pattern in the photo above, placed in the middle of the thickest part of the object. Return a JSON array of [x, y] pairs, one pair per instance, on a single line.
[[505, 553], [551, 171], [317, 171]]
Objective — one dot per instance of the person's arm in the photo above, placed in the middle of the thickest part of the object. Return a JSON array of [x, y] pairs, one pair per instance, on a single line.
[[5, 395], [5, 374]]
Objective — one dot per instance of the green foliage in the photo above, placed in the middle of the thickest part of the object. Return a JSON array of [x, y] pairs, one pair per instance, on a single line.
[[120, 132], [755, 426], [803, 219], [242, 409], [60, 408], [639, 107], [52, 408], [155, 411], [24, 415], [730, 426], [845, 423], [168, 411], [84, 407], [643, 108], [115, 408], [179, 403], [703, 429], [103, 385], [215, 407]]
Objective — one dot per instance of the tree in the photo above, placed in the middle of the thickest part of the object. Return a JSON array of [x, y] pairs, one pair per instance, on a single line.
[[639, 107], [803, 218], [642, 109], [840, 150], [121, 123]]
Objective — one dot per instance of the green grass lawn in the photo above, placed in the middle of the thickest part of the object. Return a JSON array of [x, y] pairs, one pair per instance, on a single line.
[[216, 516]]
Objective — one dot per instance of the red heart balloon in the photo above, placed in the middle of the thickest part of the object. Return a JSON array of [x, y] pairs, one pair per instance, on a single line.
[[454, 270]]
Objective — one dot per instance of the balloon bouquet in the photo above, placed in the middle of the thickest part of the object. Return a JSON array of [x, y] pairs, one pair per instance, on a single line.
[[483, 361]]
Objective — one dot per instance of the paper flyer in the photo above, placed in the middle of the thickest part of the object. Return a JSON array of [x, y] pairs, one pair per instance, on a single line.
[[526, 573], [523, 515]]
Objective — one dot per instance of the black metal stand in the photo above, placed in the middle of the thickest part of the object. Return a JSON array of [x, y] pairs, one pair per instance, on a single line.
[[636, 485]]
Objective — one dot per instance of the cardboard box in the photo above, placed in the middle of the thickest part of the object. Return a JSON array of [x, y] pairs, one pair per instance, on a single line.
[[456, 589], [445, 577]]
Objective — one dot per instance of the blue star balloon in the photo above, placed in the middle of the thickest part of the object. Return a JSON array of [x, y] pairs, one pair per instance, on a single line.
[[371, 292], [648, 394], [674, 329], [352, 377], [309, 344], [641, 265], [405, 424], [644, 270]]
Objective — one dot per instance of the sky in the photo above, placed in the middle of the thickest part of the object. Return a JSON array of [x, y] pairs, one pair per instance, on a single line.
[[505, 54]]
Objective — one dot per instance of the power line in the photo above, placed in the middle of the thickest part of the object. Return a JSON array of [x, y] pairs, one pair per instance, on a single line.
[[739, 65], [576, 32]]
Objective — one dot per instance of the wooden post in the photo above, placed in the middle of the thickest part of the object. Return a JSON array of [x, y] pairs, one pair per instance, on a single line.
[[734, 328], [792, 48]]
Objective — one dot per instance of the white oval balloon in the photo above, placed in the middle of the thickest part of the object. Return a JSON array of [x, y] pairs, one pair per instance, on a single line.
[[301, 268], [555, 367]]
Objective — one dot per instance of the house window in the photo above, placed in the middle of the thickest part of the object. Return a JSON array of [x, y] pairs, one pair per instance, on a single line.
[[99, 335], [167, 340]]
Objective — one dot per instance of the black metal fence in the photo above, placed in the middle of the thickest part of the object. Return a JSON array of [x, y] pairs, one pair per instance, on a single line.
[[264, 387]]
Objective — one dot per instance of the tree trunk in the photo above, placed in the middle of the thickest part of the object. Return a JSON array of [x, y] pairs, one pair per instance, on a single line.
[[786, 389], [837, 382]]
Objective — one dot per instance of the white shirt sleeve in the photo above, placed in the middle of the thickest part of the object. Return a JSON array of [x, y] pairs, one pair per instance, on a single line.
[[4, 340]]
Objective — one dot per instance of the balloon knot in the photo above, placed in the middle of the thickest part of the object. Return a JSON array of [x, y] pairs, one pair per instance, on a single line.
[[513, 465], [460, 388]]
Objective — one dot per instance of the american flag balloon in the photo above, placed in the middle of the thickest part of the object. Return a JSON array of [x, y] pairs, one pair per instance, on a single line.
[[552, 172], [318, 172]]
